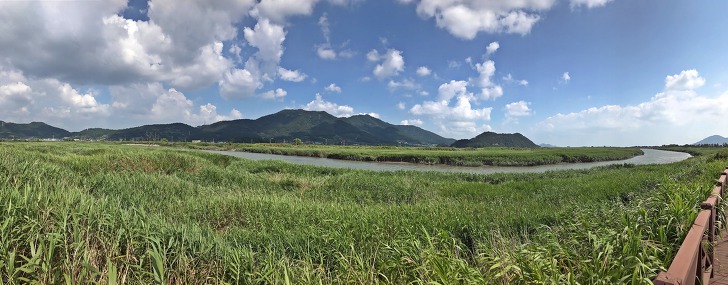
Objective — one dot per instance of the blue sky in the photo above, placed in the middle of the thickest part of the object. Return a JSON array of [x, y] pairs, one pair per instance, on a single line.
[[568, 73]]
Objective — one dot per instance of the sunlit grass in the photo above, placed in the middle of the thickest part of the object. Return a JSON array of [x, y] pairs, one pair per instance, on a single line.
[[110, 214]]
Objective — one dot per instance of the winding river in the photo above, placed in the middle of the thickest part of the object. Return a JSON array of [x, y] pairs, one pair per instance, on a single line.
[[651, 156]]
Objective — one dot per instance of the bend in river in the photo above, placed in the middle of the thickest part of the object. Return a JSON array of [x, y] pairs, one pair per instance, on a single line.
[[651, 156]]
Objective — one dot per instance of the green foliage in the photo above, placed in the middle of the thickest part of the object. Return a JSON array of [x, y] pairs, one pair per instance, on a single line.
[[297, 141], [497, 156], [139, 215]]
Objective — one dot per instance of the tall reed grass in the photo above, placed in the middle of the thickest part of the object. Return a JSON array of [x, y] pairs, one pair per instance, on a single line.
[[109, 214]]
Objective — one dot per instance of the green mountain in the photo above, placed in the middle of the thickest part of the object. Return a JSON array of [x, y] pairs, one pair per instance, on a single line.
[[491, 139], [286, 125], [34, 130], [171, 132], [320, 127]]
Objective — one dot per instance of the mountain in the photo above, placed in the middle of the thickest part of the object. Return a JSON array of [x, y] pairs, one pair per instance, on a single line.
[[320, 127], [286, 125], [490, 139], [546, 145], [715, 139], [34, 130]]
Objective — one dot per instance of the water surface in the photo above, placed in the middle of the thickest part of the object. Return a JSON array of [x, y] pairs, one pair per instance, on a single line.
[[651, 156]]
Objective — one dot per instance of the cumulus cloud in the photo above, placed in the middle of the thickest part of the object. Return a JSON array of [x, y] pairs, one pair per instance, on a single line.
[[566, 77], [490, 90], [588, 3], [401, 106], [451, 89], [239, 83], [291, 75], [491, 48], [672, 116], [423, 71], [268, 39], [42, 38], [392, 63], [465, 19], [279, 10], [319, 104], [277, 94], [153, 104], [458, 120], [333, 88], [411, 122], [686, 80], [518, 109]]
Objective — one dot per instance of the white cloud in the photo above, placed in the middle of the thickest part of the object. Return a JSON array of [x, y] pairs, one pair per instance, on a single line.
[[671, 116], [277, 94], [686, 80], [373, 115], [491, 48], [491, 93], [451, 89], [407, 84], [279, 10], [423, 71], [333, 88], [291, 75], [239, 83], [509, 79], [401, 106], [268, 39], [319, 104], [589, 3], [373, 55], [184, 53], [486, 70], [392, 63], [518, 109], [566, 77], [466, 18], [459, 120], [411, 122], [325, 52]]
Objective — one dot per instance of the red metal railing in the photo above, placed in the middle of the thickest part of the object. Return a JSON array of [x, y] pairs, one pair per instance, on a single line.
[[693, 263]]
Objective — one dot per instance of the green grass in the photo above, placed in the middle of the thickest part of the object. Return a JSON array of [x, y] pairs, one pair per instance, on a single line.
[[80, 213], [497, 156]]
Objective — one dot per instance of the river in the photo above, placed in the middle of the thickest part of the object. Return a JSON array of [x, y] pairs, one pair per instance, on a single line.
[[651, 156]]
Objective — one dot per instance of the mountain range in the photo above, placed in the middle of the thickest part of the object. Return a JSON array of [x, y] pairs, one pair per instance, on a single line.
[[286, 125]]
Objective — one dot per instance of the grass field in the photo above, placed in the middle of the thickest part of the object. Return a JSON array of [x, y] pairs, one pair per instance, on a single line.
[[79, 213], [497, 156]]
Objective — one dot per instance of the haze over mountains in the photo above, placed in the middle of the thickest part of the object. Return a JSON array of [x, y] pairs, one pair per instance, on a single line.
[[713, 140]]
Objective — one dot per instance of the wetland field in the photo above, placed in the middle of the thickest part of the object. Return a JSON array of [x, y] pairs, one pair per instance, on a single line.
[[80, 213]]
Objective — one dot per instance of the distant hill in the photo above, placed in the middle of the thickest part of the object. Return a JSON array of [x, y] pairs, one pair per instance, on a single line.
[[546, 145], [286, 125], [34, 130], [491, 139], [321, 127], [715, 139]]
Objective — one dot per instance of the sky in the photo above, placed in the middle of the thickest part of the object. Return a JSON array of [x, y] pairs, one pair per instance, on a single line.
[[561, 72]]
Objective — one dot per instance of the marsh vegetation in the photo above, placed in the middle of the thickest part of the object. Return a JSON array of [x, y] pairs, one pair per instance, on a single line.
[[80, 213]]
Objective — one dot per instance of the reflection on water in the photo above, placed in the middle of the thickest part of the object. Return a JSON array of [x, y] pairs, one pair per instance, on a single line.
[[651, 156]]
